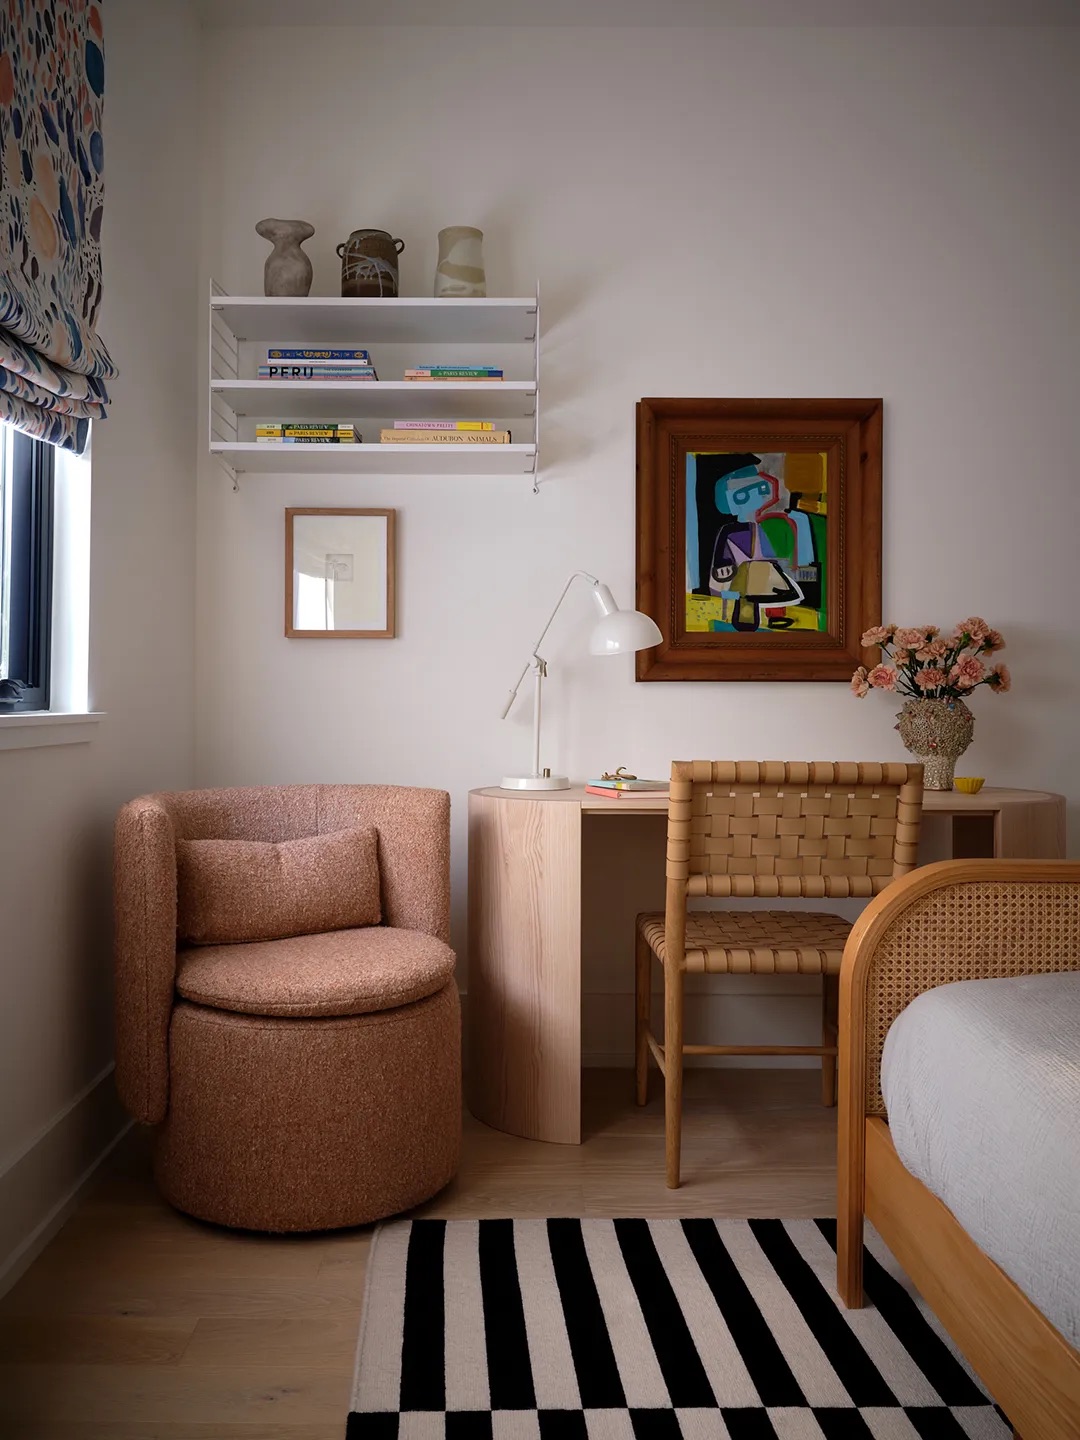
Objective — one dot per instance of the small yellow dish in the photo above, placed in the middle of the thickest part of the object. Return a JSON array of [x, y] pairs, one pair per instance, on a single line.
[[969, 784]]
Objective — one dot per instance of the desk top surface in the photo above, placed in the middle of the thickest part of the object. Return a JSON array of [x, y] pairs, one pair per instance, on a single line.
[[949, 802]]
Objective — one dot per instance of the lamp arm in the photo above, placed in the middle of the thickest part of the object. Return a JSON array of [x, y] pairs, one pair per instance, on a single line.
[[534, 658]]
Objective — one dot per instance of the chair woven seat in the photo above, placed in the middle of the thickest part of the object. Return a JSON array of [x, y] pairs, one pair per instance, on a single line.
[[755, 942]]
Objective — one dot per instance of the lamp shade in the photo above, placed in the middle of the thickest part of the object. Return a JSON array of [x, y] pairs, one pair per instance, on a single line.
[[623, 631]]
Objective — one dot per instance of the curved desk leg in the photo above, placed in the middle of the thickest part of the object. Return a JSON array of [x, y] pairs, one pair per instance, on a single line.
[[524, 983], [1031, 831]]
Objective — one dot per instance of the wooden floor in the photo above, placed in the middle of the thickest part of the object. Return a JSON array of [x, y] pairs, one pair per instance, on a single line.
[[139, 1324]]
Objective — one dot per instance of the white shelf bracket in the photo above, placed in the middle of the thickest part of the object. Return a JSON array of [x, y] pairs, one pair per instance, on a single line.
[[536, 398], [231, 473]]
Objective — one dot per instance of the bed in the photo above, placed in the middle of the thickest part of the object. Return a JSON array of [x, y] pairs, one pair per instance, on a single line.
[[982, 1114]]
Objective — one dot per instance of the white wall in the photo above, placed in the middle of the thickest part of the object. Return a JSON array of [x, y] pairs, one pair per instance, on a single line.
[[722, 212], [57, 1110]]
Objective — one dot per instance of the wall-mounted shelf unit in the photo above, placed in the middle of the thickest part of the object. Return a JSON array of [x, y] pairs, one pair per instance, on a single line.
[[399, 333]]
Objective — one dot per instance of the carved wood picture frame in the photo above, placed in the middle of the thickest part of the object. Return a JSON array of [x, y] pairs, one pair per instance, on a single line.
[[758, 537]]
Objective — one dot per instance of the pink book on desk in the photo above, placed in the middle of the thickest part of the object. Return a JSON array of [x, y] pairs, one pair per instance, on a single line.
[[624, 794]]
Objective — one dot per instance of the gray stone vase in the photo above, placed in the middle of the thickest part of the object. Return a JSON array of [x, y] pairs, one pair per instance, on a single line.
[[288, 269]]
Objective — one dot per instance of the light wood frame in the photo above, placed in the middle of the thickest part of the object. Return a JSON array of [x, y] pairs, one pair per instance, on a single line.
[[849, 432], [389, 632], [1029, 1368]]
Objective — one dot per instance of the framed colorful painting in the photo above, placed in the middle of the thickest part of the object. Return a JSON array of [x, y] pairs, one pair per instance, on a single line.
[[758, 537]]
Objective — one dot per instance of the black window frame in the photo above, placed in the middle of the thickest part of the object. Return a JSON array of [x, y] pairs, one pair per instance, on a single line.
[[31, 479]]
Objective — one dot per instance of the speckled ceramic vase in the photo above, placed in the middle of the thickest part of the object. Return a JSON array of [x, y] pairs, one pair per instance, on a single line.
[[287, 270], [937, 732]]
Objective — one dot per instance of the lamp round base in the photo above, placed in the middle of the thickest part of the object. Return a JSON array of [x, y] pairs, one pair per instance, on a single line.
[[534, 782]]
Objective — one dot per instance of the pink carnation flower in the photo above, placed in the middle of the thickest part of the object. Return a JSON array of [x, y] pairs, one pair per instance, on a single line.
[[859, 685], [911, 637], [932, 630], [1000, 679], [932, 678], [967, 673], [901, 657], [994, 641], [882, 677], [976, 628], [877, 635], [935, 650]]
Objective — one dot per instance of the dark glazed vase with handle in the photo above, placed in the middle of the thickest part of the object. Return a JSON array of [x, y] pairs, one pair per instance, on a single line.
[[369, 264]]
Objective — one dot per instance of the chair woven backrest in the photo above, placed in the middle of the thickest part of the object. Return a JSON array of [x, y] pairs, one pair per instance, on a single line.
[[785, 829]]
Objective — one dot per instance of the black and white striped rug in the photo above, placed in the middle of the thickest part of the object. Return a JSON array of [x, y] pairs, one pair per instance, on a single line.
[[648, 1330]]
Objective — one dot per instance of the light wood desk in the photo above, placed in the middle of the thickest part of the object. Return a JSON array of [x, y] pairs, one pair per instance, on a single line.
[[524, 1002]]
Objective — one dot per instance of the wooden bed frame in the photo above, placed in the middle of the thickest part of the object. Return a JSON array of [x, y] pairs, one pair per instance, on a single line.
[[959, 920]]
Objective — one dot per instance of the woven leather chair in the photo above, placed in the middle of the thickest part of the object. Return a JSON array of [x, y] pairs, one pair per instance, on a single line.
[[302, 1083], [770, 830]]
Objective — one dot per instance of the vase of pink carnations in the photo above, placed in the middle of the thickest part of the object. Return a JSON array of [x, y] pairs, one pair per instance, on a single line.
[[936, 673]]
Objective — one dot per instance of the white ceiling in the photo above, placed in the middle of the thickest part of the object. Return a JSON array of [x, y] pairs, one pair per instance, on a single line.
[[660, 13]]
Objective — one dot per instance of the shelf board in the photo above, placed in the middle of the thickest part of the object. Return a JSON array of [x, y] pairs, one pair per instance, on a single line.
[[394, 399], [276, 459], [333, 320]]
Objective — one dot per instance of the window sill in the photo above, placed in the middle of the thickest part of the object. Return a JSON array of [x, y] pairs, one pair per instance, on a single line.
[[30, 729]]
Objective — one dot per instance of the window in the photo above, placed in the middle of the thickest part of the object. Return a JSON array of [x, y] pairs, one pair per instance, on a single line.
[[26, 530]]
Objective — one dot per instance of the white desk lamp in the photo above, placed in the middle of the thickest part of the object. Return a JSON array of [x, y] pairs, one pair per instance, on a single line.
[[617, 632]]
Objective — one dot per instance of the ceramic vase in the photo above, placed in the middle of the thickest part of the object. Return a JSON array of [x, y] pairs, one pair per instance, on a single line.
[[937, 732], [460, 271], [369, 264], [288, 269]]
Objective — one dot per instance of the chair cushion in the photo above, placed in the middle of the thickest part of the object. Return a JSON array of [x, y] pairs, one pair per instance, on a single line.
[[233, 892], [345, 972], [755, 942]]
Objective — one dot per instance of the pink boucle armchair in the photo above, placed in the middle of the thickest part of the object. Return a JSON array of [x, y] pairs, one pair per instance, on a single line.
[[301, 1083]]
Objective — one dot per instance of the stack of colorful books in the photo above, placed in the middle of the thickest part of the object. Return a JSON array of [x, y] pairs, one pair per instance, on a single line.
[[626, 789], [321, 432], [300, 364], [443, 432], [458, 374]]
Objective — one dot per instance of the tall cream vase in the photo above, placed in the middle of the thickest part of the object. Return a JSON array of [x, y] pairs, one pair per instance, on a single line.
[[460, 271]]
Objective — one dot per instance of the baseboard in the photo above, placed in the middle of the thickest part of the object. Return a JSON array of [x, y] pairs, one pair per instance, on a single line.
[[42, 1185]]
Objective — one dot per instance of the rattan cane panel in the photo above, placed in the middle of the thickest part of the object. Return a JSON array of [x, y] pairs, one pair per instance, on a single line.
[[755, 942], [979, 930]]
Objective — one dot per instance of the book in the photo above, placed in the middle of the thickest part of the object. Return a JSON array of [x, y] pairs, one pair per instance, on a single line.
[[630, 783], [273, 373], [308, 439], [304, 434], [314, 368], [323, 356], [468, 372], [455, 379], [624, 794], [443, 425], [444, 437], [302, 426]]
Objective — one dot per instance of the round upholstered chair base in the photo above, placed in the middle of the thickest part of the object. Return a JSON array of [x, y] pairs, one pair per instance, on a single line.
[[310, 1124]]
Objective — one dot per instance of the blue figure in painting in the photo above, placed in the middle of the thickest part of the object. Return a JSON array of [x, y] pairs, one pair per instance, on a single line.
[[745, 567]]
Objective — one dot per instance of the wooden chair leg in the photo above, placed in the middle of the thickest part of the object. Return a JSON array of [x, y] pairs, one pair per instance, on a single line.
[[643, 1012], [674, 980], [830, 996]]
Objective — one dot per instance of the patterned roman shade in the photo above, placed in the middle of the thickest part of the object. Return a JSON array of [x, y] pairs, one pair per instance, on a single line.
[[52, 79]]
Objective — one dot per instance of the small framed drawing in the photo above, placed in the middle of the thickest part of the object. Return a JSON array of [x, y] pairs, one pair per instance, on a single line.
[[758, 537], [339, 574]]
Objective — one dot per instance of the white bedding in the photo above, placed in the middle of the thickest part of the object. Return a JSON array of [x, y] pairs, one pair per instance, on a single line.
[[981, 1080]]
